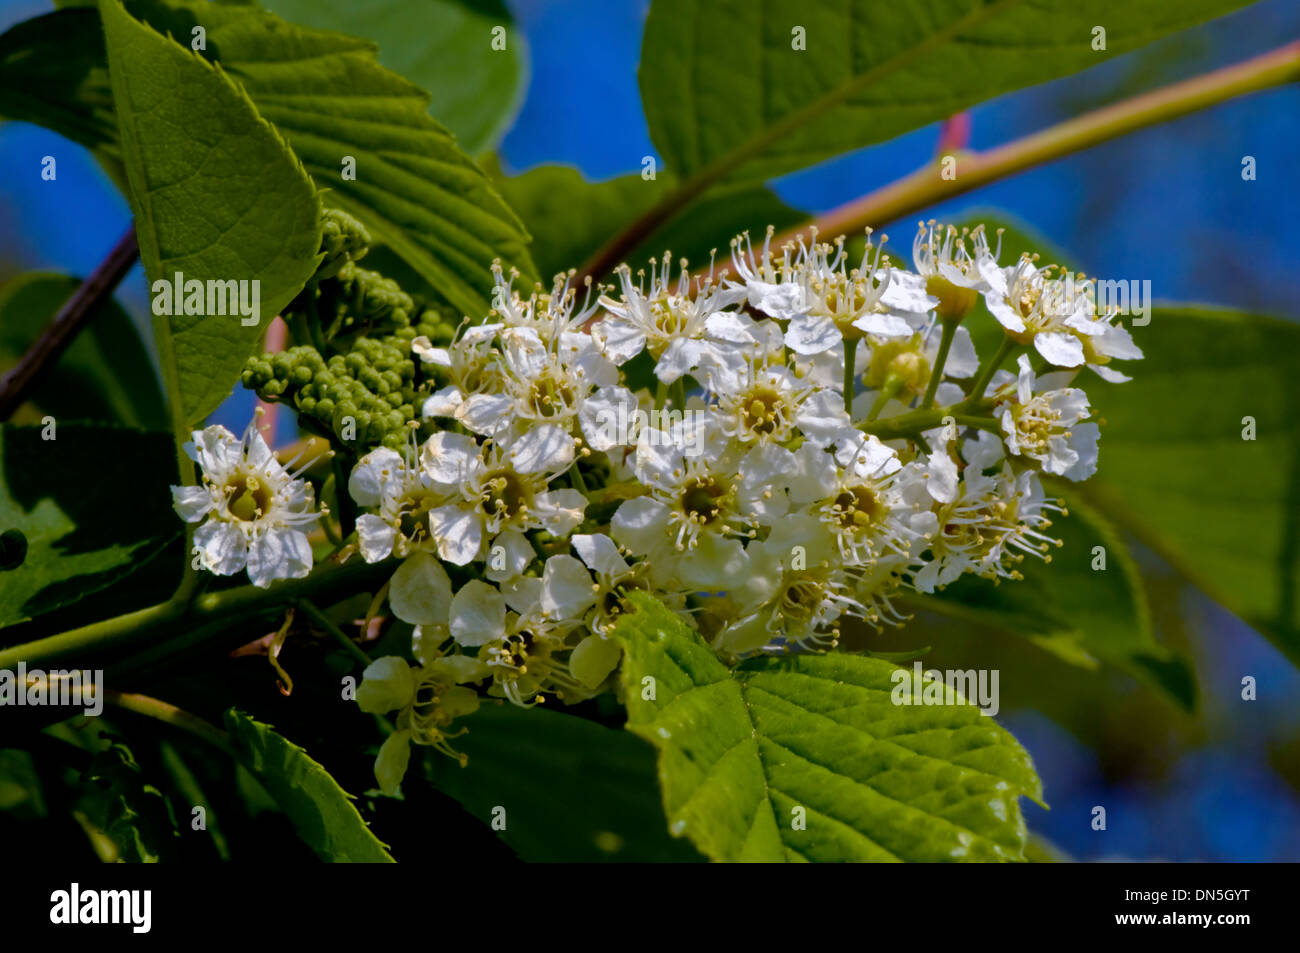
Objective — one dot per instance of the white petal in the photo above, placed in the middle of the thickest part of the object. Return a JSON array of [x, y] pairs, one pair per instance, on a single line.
[[822, 416], [601, 555], [392, 761], [420, 591], [278, 554], [458, 532], [222, 548], [962, 359], [559, 510], [449, 458], [808, 334], [566, 588], [386, 685], [1084, 442], [443, 403], [1060, 348], [641, 525], [620, 340], [478, 614], [508, 556], [486, 413], [608, 417], [375, 538], [543, 448], [191, 502], [942, 482], [1109, 374], [374, 472], [883, 325]]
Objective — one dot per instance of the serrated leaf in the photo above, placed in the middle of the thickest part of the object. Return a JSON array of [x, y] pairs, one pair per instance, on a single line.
[[444, 47], [217, 196], [728, 93], [75, 500], [1074, 610], [1176, 471], [740, 751], [415, 189], [321, 812], [574, 791], [105, 374]]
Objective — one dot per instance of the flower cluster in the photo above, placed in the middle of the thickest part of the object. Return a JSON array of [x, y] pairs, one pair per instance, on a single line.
[[772, 448]]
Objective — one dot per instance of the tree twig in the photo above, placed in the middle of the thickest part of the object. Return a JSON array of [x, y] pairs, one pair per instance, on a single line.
[[72, 317], [926, 186]]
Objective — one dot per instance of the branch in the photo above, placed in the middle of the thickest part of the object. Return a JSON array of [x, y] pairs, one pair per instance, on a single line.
[[925, 187], [153, 628], [72, 317]]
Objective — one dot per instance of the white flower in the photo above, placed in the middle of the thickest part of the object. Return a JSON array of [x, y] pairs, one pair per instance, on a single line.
[[687, 526], [394, 486], [681, 330], [993, 524], [1046, 428], [541, 397], [427, 699], [491, 505], [940, 252], [251, 509], [1057, 315], [468, 365], [766, 403], [792, 591], [522, 649], [861, 507]]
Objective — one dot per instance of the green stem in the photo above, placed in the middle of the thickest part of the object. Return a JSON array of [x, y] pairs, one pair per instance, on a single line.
[[986, 371], [340, 636], [347, 509], [157, 624], [923, 188], [888, 391], [936, 372], [850, 373], [911, 425], [166, 712]]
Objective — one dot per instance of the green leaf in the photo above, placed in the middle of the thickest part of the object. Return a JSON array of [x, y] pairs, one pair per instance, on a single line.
[[131, 813], [1077, 612], [740, 751], [321, 812], [443, 46], [1176, 471], [415, 189], [574, 791], [86, 507], [105, 374], [727, 93], [570, 217], [217, 197]]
